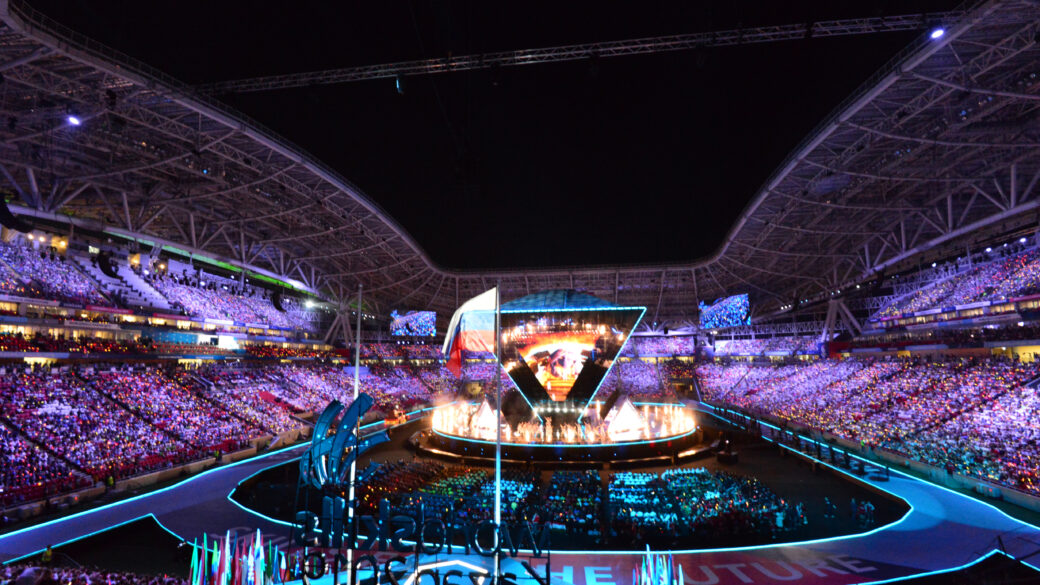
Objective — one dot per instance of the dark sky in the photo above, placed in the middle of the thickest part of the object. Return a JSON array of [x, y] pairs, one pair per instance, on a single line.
[[629, 160]]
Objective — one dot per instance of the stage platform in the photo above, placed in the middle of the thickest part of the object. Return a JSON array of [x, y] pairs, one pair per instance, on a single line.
[[453, 450]]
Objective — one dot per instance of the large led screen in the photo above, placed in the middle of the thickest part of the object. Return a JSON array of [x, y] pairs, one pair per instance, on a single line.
[[727, 312], [413, 323], [563, 355]]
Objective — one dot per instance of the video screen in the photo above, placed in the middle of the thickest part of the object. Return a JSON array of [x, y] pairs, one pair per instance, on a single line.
[[413, 323], [557, 358], [727, 312], [563, 356]]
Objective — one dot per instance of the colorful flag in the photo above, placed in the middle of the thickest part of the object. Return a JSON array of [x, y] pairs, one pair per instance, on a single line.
[[194, 563], [472, 328]]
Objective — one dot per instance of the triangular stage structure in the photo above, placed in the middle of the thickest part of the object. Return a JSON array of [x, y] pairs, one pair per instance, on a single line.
[[484, 421], [624, 422]]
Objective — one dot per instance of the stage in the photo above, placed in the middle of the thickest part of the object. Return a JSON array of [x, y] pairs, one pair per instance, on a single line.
[[632, 432]]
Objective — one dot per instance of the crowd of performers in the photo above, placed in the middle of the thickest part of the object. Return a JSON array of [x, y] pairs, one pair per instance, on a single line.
[[586, 507]]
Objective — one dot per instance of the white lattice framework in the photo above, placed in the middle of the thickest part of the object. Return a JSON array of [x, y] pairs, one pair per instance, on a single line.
[[940, 147]]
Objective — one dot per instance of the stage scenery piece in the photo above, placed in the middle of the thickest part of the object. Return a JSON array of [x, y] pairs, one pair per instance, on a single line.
[[558, 345]]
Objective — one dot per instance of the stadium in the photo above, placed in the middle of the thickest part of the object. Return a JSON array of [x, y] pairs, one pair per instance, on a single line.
[[223, 362]]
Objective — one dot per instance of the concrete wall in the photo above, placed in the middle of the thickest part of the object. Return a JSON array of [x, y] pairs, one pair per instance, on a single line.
[[55, 503]]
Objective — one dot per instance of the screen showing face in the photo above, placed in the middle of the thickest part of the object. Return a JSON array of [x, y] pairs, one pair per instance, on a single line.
[[413, 323], [557, 358], [563, 356], [727, 312]]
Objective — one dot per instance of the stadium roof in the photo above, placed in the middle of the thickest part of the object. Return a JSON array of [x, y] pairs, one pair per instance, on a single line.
[[939, 148]]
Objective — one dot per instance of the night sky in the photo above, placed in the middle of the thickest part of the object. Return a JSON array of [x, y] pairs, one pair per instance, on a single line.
[[639, 159]]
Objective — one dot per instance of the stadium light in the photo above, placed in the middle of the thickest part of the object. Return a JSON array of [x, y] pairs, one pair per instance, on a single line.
[[74, 120], [1021, 240], [989, 249], [937, 33]]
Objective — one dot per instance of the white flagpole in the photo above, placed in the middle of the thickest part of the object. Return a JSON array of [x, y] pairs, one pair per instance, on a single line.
[[498, 421], [357, 433]]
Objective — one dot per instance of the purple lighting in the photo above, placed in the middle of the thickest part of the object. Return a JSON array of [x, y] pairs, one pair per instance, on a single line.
[[937, 33], [75, 121]]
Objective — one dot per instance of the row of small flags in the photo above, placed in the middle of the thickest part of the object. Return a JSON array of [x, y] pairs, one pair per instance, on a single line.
[[658, 570], [237, 562]]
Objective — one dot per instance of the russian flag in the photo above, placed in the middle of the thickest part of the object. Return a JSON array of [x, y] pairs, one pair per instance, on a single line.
[[472, 328]]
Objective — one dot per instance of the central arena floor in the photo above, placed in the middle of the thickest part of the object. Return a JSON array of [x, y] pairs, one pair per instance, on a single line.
[[943, 530], [273, 492]]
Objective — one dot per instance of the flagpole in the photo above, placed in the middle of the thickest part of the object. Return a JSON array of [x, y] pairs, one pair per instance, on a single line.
[[498, 423], [357, 433]]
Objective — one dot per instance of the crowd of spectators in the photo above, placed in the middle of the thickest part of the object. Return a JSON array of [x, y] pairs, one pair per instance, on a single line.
[[309, 389], [44, 273], [454, 488], [40, 342], [22, 574], [394, 388], [520, 490], [423, 352], [277, 351], [789, 344], [573, 502], [658, 510], [388, 481], [640, 509], [113, 423], [652, 508], [18, 343], [1002, 278], [442, 490], [660, 346], [235, 394], [30, 473], [678, 369], [954, 338], [58, 410], [720, 503], [383, 351], [158, 399], [638, 378], [211, 297], [971, 416]]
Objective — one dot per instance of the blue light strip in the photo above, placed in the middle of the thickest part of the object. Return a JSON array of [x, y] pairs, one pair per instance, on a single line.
[[95, 533], [936, 572]]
